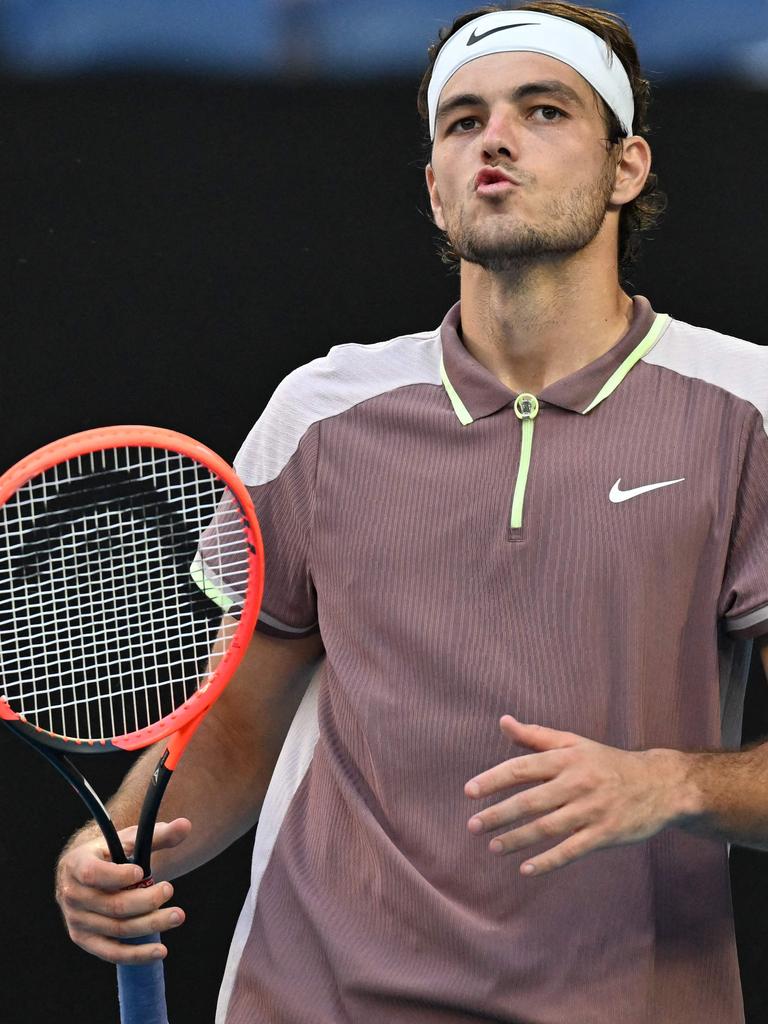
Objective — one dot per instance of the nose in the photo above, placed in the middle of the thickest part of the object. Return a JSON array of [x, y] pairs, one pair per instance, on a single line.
[[500, 136]]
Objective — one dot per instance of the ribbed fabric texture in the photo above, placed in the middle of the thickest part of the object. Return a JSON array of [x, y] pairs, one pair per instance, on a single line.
[[389, 525]]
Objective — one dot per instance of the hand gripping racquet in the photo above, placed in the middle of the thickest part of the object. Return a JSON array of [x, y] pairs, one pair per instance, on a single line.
[[131, 574]]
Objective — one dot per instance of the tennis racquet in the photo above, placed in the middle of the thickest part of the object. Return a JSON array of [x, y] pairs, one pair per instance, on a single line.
[[131, 574]]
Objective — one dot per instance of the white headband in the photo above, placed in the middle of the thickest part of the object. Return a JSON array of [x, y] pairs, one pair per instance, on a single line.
[[532, 32]]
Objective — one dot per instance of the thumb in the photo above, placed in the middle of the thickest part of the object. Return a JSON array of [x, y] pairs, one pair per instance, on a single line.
[[171, 833], [167, 834], [537, 737]]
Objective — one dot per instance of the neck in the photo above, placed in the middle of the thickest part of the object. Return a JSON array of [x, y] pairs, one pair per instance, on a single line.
[[542, 320]]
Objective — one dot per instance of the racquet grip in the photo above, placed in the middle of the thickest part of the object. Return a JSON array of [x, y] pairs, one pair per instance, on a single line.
[[141, 989]]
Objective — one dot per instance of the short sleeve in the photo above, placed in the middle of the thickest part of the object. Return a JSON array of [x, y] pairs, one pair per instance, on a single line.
[[744, 596], [278, 465]]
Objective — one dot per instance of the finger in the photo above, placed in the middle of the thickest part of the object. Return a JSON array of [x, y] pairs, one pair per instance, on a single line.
[[572, 849], [93, 872], [116, 952], [127, 837], [166, 835], [131, 927], [515, 772], [124, 904], [537, 800], [561, 822], [539, 737], [170, 834]]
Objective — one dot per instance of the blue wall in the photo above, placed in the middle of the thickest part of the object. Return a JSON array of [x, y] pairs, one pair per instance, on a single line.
[[335, 38]]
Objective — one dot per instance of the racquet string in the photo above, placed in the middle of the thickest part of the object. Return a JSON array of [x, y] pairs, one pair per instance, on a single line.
[[111, 592]]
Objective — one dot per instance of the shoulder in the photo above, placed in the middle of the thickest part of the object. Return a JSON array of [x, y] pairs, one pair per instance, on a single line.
[[719, 360], [350, 373], [329, 386]]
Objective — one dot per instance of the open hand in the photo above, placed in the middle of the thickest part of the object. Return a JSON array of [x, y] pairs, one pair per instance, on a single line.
[[593, 795]]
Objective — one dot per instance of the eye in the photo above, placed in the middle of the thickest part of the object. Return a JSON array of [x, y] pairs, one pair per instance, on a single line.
[[550, 113], [464, 124]]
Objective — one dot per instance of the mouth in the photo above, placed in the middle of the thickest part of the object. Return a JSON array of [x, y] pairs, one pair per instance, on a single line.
[[492, 181]]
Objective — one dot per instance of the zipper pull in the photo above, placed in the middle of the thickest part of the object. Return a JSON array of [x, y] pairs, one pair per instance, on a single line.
[[526, 407]]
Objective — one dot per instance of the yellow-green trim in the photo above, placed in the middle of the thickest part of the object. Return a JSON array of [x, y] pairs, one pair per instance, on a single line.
[[526, 410], [458, 406], [208, 588], [660, 325]]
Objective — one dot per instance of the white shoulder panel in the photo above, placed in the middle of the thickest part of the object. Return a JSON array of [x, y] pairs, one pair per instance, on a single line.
[[348, 375], [729, 363]]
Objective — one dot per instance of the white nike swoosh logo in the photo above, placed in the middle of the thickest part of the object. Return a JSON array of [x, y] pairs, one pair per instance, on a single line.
[[618, 495]]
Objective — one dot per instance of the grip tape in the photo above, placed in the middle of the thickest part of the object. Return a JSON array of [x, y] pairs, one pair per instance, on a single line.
[[141, 989]]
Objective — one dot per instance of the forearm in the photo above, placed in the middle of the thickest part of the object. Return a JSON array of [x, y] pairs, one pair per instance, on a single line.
[[723, 795], [221, 800], [220, 795], [223, 776]]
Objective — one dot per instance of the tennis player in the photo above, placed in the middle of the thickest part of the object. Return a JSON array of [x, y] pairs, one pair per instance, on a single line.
[[532, 545]]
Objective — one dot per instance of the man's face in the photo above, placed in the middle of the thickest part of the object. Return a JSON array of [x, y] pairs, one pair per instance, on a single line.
[[520, 169]]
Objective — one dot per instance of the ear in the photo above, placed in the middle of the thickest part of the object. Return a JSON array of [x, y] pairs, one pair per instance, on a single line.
[[632, 170], [434, 197]]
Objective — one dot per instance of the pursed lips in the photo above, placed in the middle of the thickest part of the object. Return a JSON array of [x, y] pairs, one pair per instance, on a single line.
[[494, 181]]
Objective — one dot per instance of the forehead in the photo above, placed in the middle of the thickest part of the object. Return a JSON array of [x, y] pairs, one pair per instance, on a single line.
[[498, 73]]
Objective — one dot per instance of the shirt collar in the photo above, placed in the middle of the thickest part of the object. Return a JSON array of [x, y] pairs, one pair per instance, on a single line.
[[475, 392]]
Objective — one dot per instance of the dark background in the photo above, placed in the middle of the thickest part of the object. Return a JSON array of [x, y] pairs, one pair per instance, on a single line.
[[172, 248]]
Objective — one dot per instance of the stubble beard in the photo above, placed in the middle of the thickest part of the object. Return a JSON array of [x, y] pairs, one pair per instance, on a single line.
[[508, 245]]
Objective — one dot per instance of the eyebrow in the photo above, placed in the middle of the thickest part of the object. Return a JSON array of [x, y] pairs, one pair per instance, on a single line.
[[550, 87]]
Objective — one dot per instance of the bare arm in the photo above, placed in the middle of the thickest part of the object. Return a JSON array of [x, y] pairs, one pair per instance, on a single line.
[[588, 796], [725, 795], [220, 785]]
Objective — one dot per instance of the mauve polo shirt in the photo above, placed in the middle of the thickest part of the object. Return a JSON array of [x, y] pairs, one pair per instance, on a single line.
[[593, 558]]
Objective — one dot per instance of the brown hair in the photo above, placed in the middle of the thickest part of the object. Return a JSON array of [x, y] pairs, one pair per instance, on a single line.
[[643, 212]]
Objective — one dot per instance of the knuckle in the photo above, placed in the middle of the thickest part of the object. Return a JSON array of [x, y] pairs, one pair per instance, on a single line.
[[74, 929], [64, 895], [489, 819], [87, 874], [585, 782], [119, 908], [550, 827], [80, 938], [526, 803], [578, 845]]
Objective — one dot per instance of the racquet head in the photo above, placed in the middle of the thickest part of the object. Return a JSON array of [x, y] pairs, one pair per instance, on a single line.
[[131, 573]]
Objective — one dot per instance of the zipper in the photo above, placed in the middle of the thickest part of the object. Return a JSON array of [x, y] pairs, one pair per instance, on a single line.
[[526, 410]]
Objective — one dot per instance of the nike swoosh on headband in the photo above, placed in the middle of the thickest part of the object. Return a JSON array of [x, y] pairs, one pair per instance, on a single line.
[[475, 38], [555, 37], [618, 495]]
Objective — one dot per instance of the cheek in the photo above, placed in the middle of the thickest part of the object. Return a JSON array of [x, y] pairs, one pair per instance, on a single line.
[[438, 217], [439, 196]]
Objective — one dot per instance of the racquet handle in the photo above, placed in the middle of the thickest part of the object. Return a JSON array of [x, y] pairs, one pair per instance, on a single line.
[[141, 989]]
